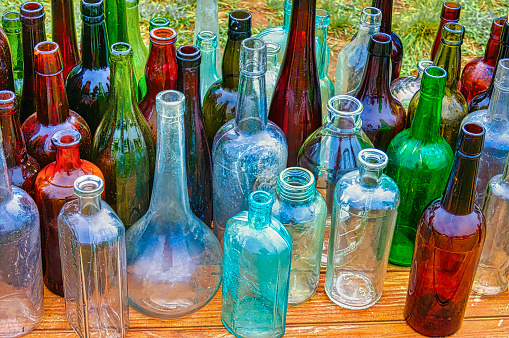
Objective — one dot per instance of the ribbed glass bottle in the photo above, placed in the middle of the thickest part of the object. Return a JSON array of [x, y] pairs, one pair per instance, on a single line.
[[63, 32], [404, 88], [450, 13], [207, 42], [12, 26], [116, 20]]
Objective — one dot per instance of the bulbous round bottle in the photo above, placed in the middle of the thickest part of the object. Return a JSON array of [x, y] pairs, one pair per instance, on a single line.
[[404, 88]]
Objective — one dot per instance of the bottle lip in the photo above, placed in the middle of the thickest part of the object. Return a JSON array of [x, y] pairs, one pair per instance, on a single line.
[[206, 40], [497, 27], [188, 56], [373, 159], [7, 97], [423, 64], [322, 18], [380, 44], [88, 186], [371, 17], [433, 83], [239, 21], [453, 33], [159, 21], [31, 10], [120, 49], [163, 35], [501, 77], [170, 104], [48, 61], [296, 183], [253, 57], [67, 138], [92, 8], [132, 3], [450, 11], [349, 102], [11, 18], [261, 200], [471, 140]]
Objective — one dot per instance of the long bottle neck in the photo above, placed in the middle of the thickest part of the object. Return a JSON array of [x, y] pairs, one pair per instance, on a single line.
[[386, 7], [231, 57], [189, 85], [499, 104], [426, 123], [208, 61], [13, 143], [94, 43], [302, 24], [449, 58], [133, 27], [64, 32], [503, 53], [251, 116], [68, 158], [32, 33], [5, 184], [287, 15], [123, 93], [51, 99], [377, 78], [161, 69], [491, 52]]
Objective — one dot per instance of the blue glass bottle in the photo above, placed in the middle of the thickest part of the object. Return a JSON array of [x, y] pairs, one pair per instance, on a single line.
[[256, 271]]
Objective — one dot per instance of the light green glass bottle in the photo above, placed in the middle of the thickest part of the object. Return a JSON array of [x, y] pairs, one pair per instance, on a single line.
[[140, 51], [12, 27], [116, 20], [326, 84]]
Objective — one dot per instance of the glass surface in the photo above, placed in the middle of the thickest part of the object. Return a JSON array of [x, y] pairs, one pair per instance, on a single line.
[[450, 13], [249, 151], [123, 147], [12, 27], [63, 32], [273, 68], [256, 274], [140, 51], [92, 247], [420, 160], [207, 42], [363, 219], [302, 210], [53, 113], [6, 75], [173, 258], [404, 88], [115, 13], [326, 84], [206, 19], [53, 188], [448, 246]]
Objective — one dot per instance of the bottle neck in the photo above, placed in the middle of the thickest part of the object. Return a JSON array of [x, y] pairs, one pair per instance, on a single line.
[[13, 143], [302, 24], [133, 26], [386, 7], [345, 123], [32, 32], [370, 177], [499, 104], [287, 15], [123, 94], [89, 206], [94, 43], [426, 123], [491, 52], [449, 58], [259, 217], [208, 61], [161, 68], [5, 184], [189, 84], [321, 32], [68, 158], [503, 53], [231, 58], [377, 78], [251, 116], [64, 32], [295, 185], [51, 99]]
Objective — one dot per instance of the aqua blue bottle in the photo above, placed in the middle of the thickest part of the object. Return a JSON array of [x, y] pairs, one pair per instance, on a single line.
[[257, 256]]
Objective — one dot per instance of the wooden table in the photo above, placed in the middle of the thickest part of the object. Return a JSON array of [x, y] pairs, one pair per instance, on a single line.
[[319, 317]]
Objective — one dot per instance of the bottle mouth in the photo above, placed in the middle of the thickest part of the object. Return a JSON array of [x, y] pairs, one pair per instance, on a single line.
[[170, 104], [471, 140], [239, 21], [163, 35], [92, 8], [371, 17], [47, 60], [423, 64], [380, 44], [132, 3], [121, 48], [322, 18], [502, 75], [373, 159], [344, 105], [31, 10], [273, 48], [296, 183], [7, 97], [260, 200], [253, 57], [159, 21], [496, 28], [453, 33], [88, 186], [207, 39], [188, 56], [67, 138], [11, 20], [450, 10]]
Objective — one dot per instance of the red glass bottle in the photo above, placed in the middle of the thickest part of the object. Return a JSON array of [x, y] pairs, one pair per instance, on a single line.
[[6, 74], [53, 113], [450, 13], [450, 237], [386, 27], [64, 33], [160, 72], [32, 32], [296, 105], [54, 187], [383, 115], [198, 159], [22, 167], [477, 74]]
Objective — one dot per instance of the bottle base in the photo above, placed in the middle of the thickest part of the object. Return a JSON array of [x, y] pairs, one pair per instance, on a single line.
[[17, 317], [252, 333], [352, 291]]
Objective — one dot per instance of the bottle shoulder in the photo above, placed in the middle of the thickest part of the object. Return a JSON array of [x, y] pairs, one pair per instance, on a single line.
[[293, 213], [19, 213]]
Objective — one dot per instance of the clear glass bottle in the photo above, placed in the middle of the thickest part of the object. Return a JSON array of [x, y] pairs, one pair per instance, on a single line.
[[249, 151], [326, 84], [256, 274], [63, 32], [12, 26], [92, 248], [273, 68], [404, 88], [140, 51], [302, 210], [173, 258], [207, 42], [21, 294], [363, 220], [207, 19], [450, 13]]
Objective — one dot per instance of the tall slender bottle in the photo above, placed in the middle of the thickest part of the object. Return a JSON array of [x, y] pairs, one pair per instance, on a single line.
[[116, 20], [198, 158], [448, 246], [383, 116], [22, 167], [6, 75], [206, 19], [123, 147], [160, 72], [88, 84], [249, 151], [279, 34], [450, 13], [53, 113], [273, 68], [207, 42], [326, 84], [32, 32], [11, 24], [454, 105], [140, 51], [296, 105], [221, 98], [419, 161], [386, 27], [64, 33]]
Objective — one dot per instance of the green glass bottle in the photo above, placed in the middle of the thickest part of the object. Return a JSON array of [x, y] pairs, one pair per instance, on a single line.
[[420, 160], [454, 105], [326, 84], [12, 27], [116, 20], [158, 21], [140, 51]]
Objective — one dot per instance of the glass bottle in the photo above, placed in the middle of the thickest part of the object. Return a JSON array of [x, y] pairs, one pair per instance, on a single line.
[[12, 26], [64, 33], [495, 121], [198, 158], [53, 113], [404, 88], [296, 105], [279, 34], [53, 188], [386, 27], [482, 100], [92, 247], [221, 98], [88, 84], [326, 84], [173, 258], [21, 294], [454, 106], [249, 151], [160, 73], [477, 74], [450, 237], [450, 13], [383, 116], [363, 218], [419, 161], [353, 57], [158, 21], [206, 19], [273, 68], [22, 167], [302, 210], [6, 74], [116, 20], [140, 51], [256, 274], [207, 42], [123, 147]]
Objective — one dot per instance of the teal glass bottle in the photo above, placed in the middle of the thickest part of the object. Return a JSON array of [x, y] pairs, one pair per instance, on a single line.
[[207, 42], [326, 84], [256, 271], [140, 51], [419, 162], [12, 26], [116, 20]]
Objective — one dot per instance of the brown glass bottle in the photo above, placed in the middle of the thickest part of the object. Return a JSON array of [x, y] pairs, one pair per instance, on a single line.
[[221, 98], [386, 27], [448, 246], [6, 74], [32, 32], [64, 33], [160, 73], [54, 187], [450, 13], [383, 115], [22, 167], [53, 113]]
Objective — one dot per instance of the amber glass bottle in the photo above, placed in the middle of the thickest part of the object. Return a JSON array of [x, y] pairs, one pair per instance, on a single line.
[[296, 104], [450, 13], [64, 33], [53, 111], [383, 116], [54, 187], [6, 74]]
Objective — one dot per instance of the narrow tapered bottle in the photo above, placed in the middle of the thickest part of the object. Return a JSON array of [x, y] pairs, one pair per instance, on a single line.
[[207, 42], [207, 20], [140, 51], [326, 84], [450, 13], [64, 33], [6, 75], [116, 20], [11, 24]]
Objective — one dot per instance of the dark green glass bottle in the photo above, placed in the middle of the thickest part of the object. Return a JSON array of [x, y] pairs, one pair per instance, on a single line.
[[116, 20], [420, 160], [12, 27]]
